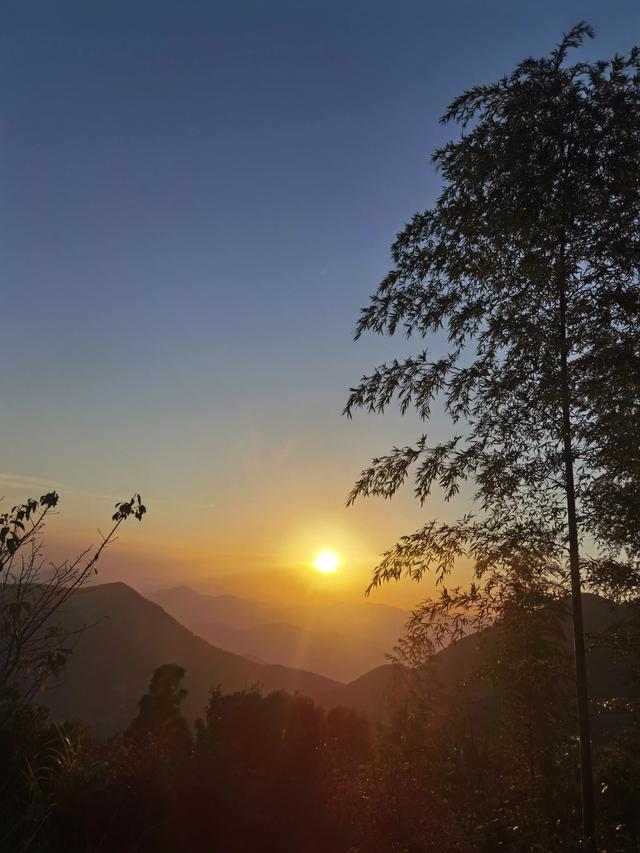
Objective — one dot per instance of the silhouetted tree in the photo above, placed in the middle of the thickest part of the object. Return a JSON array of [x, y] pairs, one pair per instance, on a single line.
[[159, 718], [275, 772], [32, 590], [528, 261]]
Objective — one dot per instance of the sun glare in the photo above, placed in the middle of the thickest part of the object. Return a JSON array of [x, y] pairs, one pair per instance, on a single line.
[[326, 562]]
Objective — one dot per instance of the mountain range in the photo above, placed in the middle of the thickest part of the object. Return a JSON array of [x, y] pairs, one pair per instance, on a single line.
[[609, 674], [124, 637], [127, 636], [339, 639]]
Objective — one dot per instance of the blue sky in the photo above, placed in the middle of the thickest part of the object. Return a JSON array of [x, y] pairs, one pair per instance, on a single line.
[[196, 198]]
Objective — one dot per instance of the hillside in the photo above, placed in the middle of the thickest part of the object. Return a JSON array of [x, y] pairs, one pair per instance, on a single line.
[[189, 607], [126, 638], [368, 693], [339, 639], [459, 663]]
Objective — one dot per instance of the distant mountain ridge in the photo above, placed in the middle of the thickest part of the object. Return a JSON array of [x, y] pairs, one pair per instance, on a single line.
[[126, 638], [459, 663], [339, 639]]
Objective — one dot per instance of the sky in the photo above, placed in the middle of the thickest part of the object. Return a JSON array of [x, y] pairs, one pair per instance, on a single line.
[[196, 199]]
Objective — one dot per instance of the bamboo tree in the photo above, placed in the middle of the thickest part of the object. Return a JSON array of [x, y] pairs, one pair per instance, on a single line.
[[584, 726], [529, 263]]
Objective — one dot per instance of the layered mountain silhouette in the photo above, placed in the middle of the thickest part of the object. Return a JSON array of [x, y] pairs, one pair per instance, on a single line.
[[610, 675], [339, 639], [126, 637]]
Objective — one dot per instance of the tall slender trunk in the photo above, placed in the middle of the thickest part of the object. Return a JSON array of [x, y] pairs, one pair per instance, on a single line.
[[529, 702], [586, 770]]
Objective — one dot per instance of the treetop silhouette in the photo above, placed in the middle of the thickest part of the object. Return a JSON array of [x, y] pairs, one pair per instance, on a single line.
[[529, 261]]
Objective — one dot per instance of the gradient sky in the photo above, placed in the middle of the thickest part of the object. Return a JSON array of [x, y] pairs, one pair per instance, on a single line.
[[196, 198]]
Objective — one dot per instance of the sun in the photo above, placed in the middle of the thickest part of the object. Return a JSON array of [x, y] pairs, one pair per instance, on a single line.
[[326, 562]]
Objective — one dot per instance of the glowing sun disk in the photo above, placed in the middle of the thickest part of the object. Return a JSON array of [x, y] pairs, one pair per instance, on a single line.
[[326, 562]]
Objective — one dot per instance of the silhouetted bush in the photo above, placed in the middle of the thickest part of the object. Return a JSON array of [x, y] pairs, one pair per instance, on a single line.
[[277, 772]]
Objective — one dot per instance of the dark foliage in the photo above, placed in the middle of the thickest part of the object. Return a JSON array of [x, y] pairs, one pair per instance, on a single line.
[[33, 645], [469, 767], [528, 266], [159, 718]]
